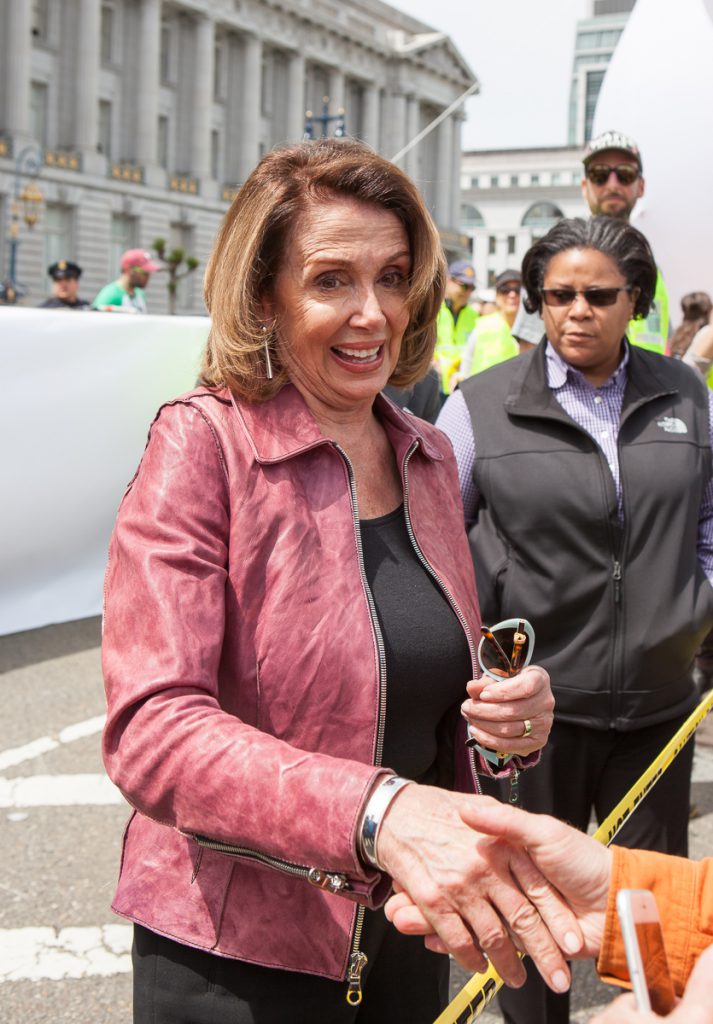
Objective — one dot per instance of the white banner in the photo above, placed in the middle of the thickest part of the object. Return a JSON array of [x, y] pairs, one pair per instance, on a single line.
[[79, 393]]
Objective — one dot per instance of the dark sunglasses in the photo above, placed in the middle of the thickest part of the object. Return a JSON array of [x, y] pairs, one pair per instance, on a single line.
[[598, 174], [466, 287], [505, 289], [506, 649], [592, 296]]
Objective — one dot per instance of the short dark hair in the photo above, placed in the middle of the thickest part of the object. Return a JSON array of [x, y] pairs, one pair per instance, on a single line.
[[254, 239], [611, 236]]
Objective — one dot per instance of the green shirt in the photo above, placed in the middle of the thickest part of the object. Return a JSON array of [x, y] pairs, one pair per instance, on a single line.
[[114, 295]]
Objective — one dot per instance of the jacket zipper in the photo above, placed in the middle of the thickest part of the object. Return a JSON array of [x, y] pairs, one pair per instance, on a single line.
[[332, 881], [357, 959], [434, 575]]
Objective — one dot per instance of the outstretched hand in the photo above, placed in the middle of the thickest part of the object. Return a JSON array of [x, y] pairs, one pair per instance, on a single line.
[[476, 895]]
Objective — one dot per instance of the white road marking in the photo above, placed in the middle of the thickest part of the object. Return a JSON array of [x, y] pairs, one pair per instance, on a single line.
[[59, 791], [31, 954], [16, 755]]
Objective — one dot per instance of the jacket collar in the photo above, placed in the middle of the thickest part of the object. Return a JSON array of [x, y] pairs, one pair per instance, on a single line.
[[283, 427], [530, 394]]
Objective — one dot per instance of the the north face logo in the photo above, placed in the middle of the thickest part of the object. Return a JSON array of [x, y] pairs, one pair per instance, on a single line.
[[672, 425]]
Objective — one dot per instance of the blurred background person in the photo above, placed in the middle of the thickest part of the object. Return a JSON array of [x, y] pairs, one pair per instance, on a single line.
[[696, 308], [127, 293], [492, 341], [455, 322], [586, 478], [65, 287]]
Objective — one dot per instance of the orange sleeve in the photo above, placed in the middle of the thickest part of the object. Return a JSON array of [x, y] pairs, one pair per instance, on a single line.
[[684, 894]]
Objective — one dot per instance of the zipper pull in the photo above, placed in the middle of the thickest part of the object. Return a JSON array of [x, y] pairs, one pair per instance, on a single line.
[[357, 963], [514, 786], [329, 880], [616, 576]]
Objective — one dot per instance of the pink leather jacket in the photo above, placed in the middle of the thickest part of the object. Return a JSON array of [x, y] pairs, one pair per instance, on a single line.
[[242, 673]]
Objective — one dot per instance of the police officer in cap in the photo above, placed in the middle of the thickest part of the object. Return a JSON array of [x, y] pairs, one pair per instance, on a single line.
[[65, 285]]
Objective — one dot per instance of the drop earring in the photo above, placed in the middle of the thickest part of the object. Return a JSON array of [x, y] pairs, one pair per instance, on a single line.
[[268, 361]]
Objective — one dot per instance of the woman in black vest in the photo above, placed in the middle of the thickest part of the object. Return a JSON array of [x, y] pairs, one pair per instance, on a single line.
[[585, 469]]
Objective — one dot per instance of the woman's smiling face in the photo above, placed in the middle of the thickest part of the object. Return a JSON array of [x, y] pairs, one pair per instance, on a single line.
[[339, 303]]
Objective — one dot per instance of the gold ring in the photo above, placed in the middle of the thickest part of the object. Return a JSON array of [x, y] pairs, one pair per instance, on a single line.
[[527, 724]]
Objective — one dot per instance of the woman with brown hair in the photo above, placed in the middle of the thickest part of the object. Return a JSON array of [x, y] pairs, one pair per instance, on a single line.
[[696, 308], [288, 640]]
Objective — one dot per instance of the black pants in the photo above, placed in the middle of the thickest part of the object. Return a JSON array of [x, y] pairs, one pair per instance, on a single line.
[[174, 984], [583, 769]]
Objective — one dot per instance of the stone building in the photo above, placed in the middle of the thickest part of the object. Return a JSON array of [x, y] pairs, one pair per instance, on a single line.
[[146, 115], [510, 197]]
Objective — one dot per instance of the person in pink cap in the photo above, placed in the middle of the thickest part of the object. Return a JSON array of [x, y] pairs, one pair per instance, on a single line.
[[126, 294]]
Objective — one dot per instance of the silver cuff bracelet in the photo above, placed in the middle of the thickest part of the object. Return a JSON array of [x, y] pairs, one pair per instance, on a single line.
[[373, 815]]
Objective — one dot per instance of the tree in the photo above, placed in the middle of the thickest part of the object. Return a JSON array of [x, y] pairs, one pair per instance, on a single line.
[[172, 262]]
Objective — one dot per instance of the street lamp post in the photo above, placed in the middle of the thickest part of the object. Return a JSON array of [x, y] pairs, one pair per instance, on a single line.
[[325, 119], [26, 202]]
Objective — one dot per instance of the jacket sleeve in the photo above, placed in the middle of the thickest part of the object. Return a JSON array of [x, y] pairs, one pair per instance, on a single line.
[[684, 894], [173, 751]]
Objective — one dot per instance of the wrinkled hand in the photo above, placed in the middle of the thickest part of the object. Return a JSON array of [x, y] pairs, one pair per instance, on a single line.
[[696, 1006], [478, 896], [496, 711], [542, 848]]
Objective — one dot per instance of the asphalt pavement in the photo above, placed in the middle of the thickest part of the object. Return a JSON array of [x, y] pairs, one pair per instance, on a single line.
[[64, 956]]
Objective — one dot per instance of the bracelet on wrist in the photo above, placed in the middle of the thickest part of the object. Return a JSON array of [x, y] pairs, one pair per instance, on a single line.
[[373, 815]]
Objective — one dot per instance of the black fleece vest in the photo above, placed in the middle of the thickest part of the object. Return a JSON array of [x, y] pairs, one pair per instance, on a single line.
[[618, 612]]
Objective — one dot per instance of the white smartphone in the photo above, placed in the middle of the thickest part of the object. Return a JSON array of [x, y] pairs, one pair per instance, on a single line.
[[645, 952]]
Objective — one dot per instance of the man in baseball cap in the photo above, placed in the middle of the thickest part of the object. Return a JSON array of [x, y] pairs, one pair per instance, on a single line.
[[612, 184], [126, 294], [456, 319], [65, 286]]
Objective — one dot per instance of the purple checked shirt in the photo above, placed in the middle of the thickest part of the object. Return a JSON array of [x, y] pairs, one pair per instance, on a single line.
[[596, 410]]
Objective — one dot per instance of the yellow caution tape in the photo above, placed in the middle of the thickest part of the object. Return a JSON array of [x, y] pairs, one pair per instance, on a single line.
[[477, 993]]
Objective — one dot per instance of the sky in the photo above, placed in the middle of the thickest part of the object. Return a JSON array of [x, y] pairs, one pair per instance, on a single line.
[[521, 52]]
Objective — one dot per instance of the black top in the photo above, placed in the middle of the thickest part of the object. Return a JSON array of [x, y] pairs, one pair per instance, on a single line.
[[55, 303], [427, 657]]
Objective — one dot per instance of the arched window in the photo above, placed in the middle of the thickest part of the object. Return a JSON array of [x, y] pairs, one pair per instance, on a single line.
[[541, 216], [470, 217]]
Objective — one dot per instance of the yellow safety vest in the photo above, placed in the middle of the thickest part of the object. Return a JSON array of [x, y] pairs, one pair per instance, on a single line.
[[494, 342], [652, 332], [451, 336]]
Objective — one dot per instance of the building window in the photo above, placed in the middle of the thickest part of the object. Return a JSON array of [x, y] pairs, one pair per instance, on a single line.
[[556, 178], [107, 34], [511, 245], [123, 236], [534, 179], [165, 54], [594, 84], [40, 20], [470, 217], [354, 110], [218, 90], [38, 112], [58, 233], [514, 180], [104, 133], [541, 217], [474, 182], [492, 275], [162, 141], [494, 181], [215, 172], [266, 86], [492, 242]]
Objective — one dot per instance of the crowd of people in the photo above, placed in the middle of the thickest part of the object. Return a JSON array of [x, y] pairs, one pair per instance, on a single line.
[[301, 584]]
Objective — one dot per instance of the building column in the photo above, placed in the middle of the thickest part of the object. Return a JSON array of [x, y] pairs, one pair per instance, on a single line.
[[202, 98], [250, 106], [397, 126], [337, 96], [411, 160], [296, 97], [444, 173], [86, 85], [147, 84], [371, 115], [17, 67], [458, 119]]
